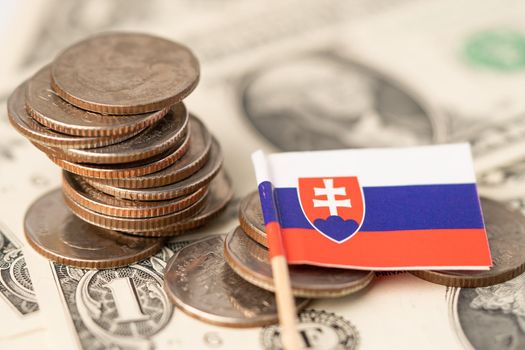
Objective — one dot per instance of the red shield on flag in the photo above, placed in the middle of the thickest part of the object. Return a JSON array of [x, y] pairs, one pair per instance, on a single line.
[[333, 205]]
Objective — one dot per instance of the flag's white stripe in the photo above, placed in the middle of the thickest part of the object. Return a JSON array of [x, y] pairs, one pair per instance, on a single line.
[[426, 165], [260, 164]]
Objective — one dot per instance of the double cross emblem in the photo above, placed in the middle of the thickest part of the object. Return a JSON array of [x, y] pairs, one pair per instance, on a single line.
[[330, 192]]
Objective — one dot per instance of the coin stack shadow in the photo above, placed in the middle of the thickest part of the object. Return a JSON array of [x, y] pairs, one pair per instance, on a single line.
[[146, 169]]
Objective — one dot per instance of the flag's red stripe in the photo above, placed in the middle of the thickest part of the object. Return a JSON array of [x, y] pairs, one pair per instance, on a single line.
[[275, 241], [446, 247]]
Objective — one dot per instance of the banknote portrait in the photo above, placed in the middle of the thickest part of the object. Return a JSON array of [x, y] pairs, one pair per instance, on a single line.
[[323, 101], [492, 317]]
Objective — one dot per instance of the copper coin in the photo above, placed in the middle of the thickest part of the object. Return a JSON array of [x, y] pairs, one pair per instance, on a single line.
[[200, 283], [125, 73], [85, 195], [251, 219], [46, 107], [220, 192], [131, 225], [123, 170], [189, 163], [250, 260], [506, 235], [201, 178], [154, 140], [53, 231], [42, 135]]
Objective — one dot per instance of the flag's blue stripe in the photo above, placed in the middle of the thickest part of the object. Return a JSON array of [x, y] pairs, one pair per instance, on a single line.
[[400, 208], [267, 202]]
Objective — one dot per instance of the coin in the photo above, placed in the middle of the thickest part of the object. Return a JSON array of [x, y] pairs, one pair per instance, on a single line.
[[53, 231], [220, 193], [250, 260], [41, 135], [506, 235], [131, 225], [189, 163], [200, 283], [125, 73], [85, 195], [201, 178], [46, 107], [251, 219], [154, 140], [138, 168]]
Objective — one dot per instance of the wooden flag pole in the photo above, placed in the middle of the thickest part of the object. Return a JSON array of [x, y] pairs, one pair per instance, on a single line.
[[285, 304], [283, 289]]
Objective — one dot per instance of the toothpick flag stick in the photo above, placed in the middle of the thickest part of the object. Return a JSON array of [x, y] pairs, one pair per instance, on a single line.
[[283, 290]]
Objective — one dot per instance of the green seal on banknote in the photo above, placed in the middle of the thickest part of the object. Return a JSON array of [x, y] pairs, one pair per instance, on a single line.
[[501, 50]]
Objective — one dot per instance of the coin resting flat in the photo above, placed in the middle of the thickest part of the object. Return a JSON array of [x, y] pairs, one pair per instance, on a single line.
[[250, 260], [506, 235], [56, 233], [46, 107], [124, 73], [200, 283]]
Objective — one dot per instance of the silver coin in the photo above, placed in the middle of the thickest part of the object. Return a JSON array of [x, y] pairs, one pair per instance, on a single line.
[[132, 225], [54, 232], [196, 156], [125, 73], [41, 136], [200, 178], [250, 260], [154, 140], [219, 194], [200, 283], [44, 105]]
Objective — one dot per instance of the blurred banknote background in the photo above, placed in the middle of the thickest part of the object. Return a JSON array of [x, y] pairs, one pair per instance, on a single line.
[[282, 75]]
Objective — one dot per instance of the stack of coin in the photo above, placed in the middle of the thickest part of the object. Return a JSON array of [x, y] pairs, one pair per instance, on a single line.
[[199, 281], [245, 250], [108, 110], [227, 280], [205, 278]]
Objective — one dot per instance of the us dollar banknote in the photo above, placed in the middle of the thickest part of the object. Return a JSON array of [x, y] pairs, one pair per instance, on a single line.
[[15, 282], [18, 304], [490, 317], [126, 308], [369, 83], [505, 182], [117, 308]]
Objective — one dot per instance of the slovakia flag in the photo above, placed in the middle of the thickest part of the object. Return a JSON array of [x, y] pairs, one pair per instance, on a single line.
[[375, 209]]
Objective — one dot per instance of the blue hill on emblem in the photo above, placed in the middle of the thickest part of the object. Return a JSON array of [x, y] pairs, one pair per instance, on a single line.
[[336, 228]]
